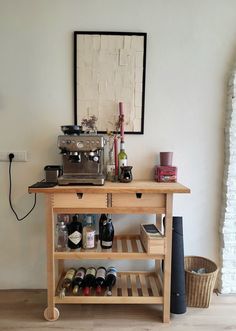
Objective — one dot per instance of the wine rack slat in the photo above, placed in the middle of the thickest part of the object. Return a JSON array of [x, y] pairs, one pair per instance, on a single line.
[[134, 245], [130, 287], [134, 285], [154, 287], [124, 247]]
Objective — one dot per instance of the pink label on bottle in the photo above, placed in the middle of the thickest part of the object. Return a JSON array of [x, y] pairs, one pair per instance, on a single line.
[[80, 273], [90, 239]]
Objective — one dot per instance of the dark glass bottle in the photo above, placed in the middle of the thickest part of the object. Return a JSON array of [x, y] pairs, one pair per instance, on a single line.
[[89, 280], [107, 234], [78, 280], [75, 233], [110, 280], [100, 279], [67, 281], [103, 218]]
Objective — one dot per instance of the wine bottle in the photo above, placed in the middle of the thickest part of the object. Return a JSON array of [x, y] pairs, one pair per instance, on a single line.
[[122, 156], [101, 220], [78, 280], [110, 280], [75, 233], [107, 233], [89, 280], [67, 281], [100, 279]]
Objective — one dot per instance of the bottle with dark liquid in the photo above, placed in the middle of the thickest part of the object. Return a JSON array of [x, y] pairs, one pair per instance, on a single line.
[[67, 281], [103, 218], [78, 280], [107, 233], [100, 279], [75, 233], [89, 280], [110, 280]]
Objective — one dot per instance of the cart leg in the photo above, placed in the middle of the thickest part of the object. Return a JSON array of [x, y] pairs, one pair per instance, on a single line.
[[167, 261], [50, 313]]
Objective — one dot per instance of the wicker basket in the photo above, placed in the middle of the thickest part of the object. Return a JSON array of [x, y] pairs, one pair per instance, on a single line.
[[199, 287]]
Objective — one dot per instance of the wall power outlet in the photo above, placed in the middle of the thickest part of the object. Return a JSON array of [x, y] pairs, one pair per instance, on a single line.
[[19, 156]]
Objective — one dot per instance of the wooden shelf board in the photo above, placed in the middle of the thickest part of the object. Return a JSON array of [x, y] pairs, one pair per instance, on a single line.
[[108, 300], [111, 210], [124, 247], [130, 288], [109, 187]]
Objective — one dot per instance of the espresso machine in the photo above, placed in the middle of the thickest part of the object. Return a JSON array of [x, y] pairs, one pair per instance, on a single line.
[[82, 157]]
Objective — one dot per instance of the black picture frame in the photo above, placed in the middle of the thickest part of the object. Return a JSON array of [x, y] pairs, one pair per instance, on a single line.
[[139, 129]]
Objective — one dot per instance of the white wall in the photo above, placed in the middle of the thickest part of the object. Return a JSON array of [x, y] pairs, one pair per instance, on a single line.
[[191, 46]]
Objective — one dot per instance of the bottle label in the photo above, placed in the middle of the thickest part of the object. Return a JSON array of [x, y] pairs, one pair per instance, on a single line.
[[70, 274], [90, 239], [91, 271], [106, 243], [123, 163], [101, 273], [112, 271], [80, 274], [75, 237]]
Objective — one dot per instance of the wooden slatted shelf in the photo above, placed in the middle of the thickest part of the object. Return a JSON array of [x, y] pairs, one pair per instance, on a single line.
[[124, 247], [131, 287]]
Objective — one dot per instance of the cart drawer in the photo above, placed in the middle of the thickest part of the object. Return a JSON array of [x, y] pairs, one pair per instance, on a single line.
[[80, 200], [138, 200]]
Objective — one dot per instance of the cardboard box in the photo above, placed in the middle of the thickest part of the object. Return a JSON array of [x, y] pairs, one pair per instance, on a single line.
[[152, 239]]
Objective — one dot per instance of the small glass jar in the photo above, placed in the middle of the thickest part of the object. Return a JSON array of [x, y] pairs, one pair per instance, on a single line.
[[126, 174], [61, 237]]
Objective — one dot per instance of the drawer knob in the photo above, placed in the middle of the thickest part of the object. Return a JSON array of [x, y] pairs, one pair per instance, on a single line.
[[138, 195], [79, 195]]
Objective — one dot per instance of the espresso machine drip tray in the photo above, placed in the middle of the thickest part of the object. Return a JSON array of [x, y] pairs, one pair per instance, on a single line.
[[79, 179]]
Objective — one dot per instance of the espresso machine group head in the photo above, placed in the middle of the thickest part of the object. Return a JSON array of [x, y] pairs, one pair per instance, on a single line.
[[82, 158]]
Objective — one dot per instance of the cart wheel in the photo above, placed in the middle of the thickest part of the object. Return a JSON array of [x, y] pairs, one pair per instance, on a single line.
[[56, 314]]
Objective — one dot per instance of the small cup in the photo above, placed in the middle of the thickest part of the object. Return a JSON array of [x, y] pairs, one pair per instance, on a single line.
[[166, 158]]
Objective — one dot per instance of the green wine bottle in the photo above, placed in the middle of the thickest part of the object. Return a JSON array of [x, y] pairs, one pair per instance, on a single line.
[[122, 156]]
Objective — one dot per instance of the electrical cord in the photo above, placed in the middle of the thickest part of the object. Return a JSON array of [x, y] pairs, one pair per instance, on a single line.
[[11, 157]]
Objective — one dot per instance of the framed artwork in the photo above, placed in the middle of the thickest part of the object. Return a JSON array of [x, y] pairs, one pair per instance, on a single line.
[[109, 68]]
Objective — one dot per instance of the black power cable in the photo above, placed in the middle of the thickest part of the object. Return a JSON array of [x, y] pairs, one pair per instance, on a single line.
[[11, 157]]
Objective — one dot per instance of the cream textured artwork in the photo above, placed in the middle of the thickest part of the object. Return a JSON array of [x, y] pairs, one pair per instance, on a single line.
[[109, 70]]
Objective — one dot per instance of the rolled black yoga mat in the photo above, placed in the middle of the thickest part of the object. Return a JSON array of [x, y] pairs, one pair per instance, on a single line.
[[178, 298]]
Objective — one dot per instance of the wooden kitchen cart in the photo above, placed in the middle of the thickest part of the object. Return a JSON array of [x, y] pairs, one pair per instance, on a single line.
[[137, 197]]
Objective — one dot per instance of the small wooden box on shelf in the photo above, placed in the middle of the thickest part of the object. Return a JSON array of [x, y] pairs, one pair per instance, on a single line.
[[152, 239]]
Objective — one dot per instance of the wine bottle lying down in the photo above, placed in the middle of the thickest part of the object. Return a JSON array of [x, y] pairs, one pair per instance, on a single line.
[[110, 280]]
